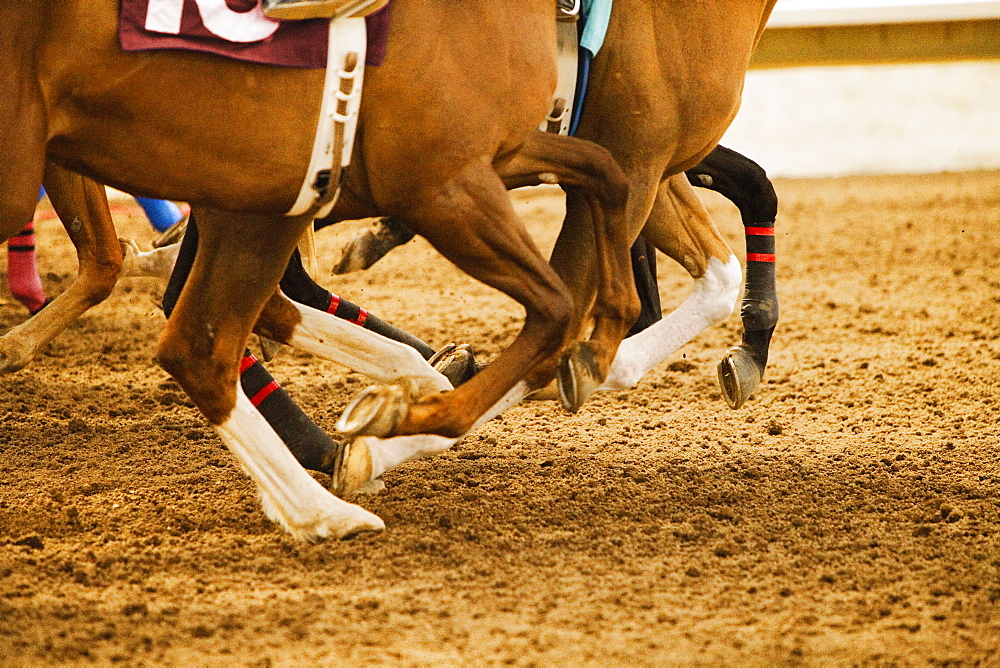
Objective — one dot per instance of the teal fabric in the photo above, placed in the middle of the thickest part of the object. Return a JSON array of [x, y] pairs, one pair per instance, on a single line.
[[597, 13]]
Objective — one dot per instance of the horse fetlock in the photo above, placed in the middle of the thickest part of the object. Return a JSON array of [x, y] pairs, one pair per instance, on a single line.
[[377, 411], [130, 256], [14, 354], [325, 516], [759, 314], [578, 375]]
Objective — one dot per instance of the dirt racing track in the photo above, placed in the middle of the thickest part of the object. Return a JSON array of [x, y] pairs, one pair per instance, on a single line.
[[849, 514]]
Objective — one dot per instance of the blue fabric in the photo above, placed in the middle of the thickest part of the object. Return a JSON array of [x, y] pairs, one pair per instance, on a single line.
[[597, 14], [161, 213], [582, 76]]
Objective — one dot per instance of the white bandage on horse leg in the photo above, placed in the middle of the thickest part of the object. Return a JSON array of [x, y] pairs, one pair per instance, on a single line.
[[289, 495], [388, 453], [157, 263], [364, 351], [712, 300]]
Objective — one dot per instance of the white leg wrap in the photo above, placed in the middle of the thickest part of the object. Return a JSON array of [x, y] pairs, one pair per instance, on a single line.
[[712, 300], [157, 263], [289, 495], [389, 453], [364, 351]]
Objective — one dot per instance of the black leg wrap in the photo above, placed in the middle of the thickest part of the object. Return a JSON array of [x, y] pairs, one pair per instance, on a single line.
[[182, 267], [298, 285], [740, 180], [760, 301], [746, 185], [644, 270], [310, 445]]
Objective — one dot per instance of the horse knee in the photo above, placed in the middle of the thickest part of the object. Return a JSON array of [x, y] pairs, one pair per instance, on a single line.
[[210, 383]]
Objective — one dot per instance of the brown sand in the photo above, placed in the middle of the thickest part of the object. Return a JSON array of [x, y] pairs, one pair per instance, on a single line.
[[850, 513]]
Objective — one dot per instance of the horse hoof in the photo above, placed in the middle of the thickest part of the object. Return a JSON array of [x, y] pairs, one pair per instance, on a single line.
[[172, 234], [354, 470], [269, 348], [377, 411], [357, 255], [456, 363], [577, 375], [739, 376], [371, 245]]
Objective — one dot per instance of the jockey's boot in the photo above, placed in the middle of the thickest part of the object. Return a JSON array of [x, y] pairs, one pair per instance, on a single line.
[[567, 10], [320, 9]]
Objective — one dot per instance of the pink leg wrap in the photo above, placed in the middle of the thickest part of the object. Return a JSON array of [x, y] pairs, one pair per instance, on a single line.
[[22, 270]]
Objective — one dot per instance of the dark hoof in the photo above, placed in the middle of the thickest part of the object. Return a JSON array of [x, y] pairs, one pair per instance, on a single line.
[[269, 349], [172, 234], [456, 363], [739, 376], [377, 411], [371, 245], [578, 376]]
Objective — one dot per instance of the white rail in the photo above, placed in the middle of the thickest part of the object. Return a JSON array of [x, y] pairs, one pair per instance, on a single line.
[[816, 13]]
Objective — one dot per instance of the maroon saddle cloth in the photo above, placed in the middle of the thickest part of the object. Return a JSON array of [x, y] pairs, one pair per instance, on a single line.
[[236, 29]]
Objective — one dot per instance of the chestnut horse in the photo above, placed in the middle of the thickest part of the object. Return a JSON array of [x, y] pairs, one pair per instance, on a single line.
[[663, 90], [446, 126]]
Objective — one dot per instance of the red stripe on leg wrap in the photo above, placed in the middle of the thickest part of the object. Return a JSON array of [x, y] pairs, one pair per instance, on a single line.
[[247, 362], [362, 316], [759, 231], [264, 393], [334, 303], [760, 257]]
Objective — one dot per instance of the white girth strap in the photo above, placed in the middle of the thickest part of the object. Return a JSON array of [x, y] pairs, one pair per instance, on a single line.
[[338, 118], [559, 118]]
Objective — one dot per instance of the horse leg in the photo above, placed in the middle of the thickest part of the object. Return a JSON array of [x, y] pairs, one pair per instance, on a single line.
[[22, 270], [202, 346], [344, 342], [746, 185], [589, 171], [82, 206], [22, 132], [680, 226], [472, 223]]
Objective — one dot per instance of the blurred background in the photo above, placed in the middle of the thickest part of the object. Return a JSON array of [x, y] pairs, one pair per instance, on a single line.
[[903, 86]]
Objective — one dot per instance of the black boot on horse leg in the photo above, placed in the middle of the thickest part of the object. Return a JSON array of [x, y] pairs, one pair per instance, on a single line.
[[746, 185], [644, 271]]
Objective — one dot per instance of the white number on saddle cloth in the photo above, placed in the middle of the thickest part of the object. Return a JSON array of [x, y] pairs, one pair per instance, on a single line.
[[252, 26]]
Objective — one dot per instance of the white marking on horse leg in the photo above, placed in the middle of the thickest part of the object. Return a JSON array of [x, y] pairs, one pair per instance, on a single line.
[[712, 300], [157, 263], [364, 351], [389, 453], [289, 495]]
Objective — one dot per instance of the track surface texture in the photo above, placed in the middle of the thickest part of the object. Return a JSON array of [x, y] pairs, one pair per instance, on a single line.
[[849, 514]]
